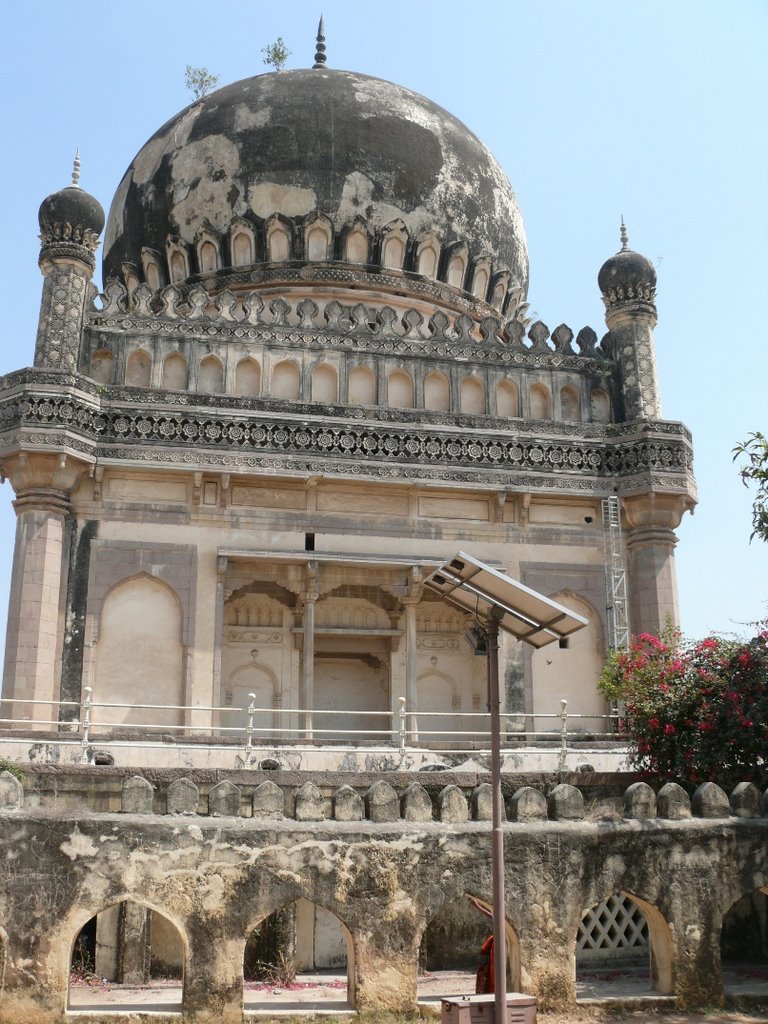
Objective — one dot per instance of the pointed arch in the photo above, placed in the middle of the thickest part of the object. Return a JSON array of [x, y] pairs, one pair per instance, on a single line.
[[324, 384], [600, 406], [507, 399], [102, 366], [152, 262], [457, 265], [178, 260], [210, 378], [361, 386], [279, 239], [428, 256], [138, 369], [248, 378], [400, 390], [480, 277], [437, 392], [139, 653], [242, 243], [175, 372], [540, 402], [286, 380], [318, 238], [208, 251], [394, 245], [570, 410], [473, 396], [357, 243]]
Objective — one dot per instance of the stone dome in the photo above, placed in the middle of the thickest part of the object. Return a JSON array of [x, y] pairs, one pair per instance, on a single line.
[[295, 145], [71, 221], [627, 275]]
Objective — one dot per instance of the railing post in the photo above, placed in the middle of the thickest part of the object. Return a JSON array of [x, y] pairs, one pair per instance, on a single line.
[[85, 724], [249, 729], [402, 729], [563, 736]]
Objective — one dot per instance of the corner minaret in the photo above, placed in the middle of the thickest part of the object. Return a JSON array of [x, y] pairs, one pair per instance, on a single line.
[[628, 285], [71, 221]]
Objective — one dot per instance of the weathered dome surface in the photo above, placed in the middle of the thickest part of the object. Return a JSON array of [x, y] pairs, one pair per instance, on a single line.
[[71, 206], [297, 142]]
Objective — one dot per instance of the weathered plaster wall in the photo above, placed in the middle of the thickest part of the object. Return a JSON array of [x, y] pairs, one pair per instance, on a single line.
[[214, 879]]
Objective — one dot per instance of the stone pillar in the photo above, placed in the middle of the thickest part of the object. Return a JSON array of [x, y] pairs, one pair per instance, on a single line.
[[213, 975], [411, 673], [307, 695], [134, 948], [38, 590], [651, 579], [384, 972]]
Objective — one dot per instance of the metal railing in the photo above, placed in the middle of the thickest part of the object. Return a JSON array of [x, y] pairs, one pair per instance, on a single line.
[[402, 729]]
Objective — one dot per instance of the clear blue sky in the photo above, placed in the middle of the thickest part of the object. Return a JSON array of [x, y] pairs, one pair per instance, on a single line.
[[655, 109]]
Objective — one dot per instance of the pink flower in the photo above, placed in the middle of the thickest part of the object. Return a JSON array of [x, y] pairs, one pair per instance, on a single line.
[[669, 729], [653, 723]]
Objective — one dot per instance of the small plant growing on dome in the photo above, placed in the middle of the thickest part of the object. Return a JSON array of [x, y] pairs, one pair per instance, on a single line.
[[276, 54], [199, 81]]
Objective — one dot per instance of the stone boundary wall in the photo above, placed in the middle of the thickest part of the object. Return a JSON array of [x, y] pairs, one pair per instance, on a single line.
[[216, 878]]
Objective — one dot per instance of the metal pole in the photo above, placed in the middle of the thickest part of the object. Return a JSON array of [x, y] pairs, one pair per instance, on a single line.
[[497, 845], [563, 759]]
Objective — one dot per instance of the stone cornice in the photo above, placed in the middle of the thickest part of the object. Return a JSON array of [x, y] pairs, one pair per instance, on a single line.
[[68, 413]]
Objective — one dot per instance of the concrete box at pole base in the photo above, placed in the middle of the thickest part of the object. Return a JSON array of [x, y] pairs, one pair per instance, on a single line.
[[480, 1009]]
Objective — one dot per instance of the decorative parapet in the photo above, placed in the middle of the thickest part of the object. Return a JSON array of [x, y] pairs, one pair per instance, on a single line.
[[42, 410], [303, 323]]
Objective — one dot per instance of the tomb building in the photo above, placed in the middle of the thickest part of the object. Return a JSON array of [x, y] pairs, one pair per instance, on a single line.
[[309, 378]]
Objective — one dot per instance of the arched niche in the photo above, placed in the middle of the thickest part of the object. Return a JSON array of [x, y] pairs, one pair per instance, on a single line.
[[449, 951], [361, 386], [129, 945], [248, 378], [500, 284], [318, 239], [744, 945], [306, 938], [178, 262], [260, 681], [427, 257], [324, 384], [208, 254], [399, 390], [357, 245], [437, 392], [242, 244], [457, 267], [439, 701], [571, 673], [480, 278], [210, 378], [175, 372], [152, 263], [600, 406], [507, 399], [286, 380], [540, 402], [620, 929], [472, 396], [102, 366], [570, 410], [138, 369], [278, 241], [139, 655], [393, 246]]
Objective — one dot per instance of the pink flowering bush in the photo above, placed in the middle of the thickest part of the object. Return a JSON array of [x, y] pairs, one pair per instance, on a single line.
[[694, 711]]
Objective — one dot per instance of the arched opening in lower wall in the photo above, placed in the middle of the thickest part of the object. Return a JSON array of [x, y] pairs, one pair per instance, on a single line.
[[127, 958], [623, 938], [744, 946], [299, 959], [454, 945]]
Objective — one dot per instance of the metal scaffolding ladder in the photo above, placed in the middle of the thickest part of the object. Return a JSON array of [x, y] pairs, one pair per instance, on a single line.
[[615, 576]]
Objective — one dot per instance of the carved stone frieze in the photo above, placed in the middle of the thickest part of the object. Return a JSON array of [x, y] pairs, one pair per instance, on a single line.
[[250, 440]]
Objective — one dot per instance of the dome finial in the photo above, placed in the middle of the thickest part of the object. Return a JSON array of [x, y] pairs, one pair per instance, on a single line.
[[320, 57], [76, 170], [623, 236]]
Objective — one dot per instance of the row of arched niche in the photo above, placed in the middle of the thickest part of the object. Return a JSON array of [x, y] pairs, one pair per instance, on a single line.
[[398, 390], [623, 936], [314, 240]]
